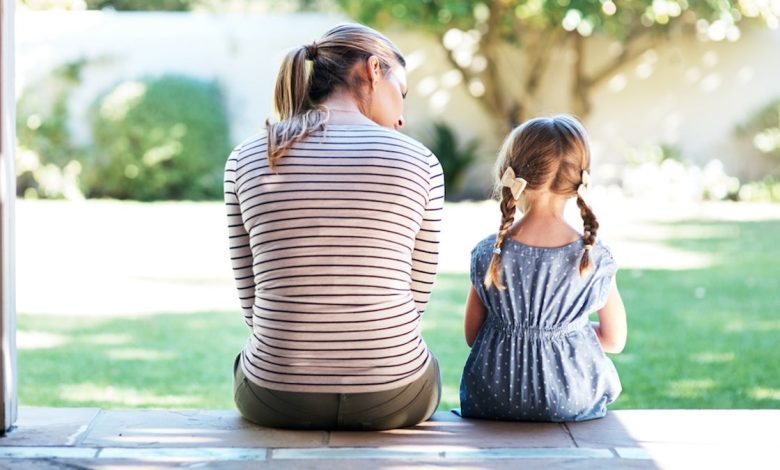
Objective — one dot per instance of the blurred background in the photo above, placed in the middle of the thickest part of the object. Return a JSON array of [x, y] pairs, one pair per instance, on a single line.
[[127, 110]]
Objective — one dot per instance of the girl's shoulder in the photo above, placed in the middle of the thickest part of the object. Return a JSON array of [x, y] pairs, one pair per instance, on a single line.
[[601, 252], [603, 256], [484, 247]]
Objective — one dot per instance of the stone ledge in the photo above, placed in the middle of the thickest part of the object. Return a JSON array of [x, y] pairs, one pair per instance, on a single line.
[[623, 439]]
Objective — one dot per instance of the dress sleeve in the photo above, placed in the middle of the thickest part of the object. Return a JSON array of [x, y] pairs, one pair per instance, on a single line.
[[605, 270], [238, 242], [477, 274], [425, 257]]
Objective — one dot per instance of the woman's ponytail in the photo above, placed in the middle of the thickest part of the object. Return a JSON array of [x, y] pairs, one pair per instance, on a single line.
[[291, 95], [298, 116]]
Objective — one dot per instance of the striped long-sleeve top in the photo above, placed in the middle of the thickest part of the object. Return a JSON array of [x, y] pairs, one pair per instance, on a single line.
[[334, 254]]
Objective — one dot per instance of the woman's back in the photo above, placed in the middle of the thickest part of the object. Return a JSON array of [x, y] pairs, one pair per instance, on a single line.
[[335, 252]]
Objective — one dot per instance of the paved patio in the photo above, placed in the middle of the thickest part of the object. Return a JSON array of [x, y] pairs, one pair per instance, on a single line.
[[641, 439]]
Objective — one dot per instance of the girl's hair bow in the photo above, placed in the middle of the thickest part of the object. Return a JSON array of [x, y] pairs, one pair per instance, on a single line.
[[516, 185]]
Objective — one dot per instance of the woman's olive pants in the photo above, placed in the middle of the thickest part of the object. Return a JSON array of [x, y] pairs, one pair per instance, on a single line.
[[389, 409]]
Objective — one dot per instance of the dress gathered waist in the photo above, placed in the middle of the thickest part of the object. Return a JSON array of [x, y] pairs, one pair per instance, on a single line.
[[536, 331]]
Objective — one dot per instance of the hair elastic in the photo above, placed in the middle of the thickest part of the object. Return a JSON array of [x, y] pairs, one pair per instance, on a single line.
[[583, 188], [311, 51], [496, 251]]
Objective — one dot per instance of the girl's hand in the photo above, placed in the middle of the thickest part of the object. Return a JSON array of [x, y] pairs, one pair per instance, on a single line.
[[475, 316]]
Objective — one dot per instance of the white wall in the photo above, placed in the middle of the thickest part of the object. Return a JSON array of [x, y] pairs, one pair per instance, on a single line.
[[687, 94], [691, 95]]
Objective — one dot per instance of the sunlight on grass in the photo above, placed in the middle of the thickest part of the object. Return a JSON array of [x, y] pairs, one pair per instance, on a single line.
[[712, 357], [39, 340], [742, 326], [107, 339], [761, 393], [139, 354], [87, 392], [648, 255], [689, 388]]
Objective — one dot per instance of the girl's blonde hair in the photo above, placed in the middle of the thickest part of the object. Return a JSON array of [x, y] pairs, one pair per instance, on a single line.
[[310, 73], [548, 152]]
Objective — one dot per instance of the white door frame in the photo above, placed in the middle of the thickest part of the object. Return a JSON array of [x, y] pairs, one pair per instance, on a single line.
[[8, 406]]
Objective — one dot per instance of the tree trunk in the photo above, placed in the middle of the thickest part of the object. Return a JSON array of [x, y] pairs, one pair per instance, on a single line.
[[581, 88]]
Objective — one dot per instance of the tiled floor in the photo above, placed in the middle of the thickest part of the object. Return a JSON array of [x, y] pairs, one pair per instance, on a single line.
[[642, 439]]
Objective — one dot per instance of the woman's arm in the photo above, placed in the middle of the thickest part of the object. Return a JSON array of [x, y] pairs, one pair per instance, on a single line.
[[611, 329], [425, 257], [475, 316], [240, 252]]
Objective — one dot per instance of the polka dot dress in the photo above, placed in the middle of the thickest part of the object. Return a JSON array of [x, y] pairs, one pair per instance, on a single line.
[[536, 358]]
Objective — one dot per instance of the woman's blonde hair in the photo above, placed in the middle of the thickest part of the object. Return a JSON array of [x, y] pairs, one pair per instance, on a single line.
[[548, 152], [310, 73]]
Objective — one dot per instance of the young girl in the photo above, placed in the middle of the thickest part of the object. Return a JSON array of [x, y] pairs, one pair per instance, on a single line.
[[535, 356]]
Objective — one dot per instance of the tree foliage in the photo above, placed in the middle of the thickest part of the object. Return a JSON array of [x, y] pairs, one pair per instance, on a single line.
[[477, 33]]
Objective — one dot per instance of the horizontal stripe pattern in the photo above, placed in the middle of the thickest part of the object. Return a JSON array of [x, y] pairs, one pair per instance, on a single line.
[[334, 255]]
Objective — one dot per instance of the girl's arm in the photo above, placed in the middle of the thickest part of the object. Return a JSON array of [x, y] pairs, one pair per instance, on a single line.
[[475, 316], [611, 329]]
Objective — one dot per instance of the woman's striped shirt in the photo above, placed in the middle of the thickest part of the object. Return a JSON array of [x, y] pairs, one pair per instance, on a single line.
[[334, 255]]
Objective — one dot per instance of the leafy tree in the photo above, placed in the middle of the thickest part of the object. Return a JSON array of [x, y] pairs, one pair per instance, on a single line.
[[496, 44]]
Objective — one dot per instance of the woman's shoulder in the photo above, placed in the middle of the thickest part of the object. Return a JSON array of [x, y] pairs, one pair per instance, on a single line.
[[255, 143], [412, 142], [259, 138], [384, 135]]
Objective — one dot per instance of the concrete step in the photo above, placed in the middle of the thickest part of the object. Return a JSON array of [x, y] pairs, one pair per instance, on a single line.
[[90, 438]]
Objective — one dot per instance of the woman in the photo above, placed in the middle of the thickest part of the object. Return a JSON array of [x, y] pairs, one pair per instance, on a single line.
[[334, 220]]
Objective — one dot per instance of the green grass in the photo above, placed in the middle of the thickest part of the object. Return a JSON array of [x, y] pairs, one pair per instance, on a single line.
[[698, 338], [706, 338]]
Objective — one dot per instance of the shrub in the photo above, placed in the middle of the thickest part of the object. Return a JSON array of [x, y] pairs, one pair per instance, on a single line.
[[763, 128], [660, 172], [47, 160], [163, 138], [454, 156], [767, 189]]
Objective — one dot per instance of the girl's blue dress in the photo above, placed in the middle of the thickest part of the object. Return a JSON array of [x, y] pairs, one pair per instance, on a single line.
[[536, 358]]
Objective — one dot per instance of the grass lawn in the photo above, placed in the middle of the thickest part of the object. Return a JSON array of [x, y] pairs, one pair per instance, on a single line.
[[700, 338]]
